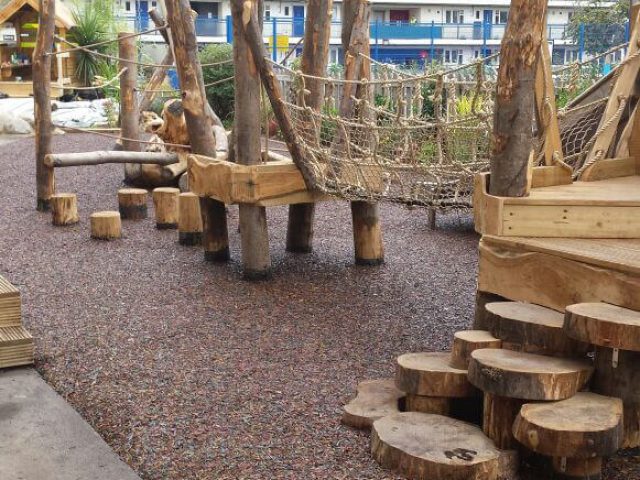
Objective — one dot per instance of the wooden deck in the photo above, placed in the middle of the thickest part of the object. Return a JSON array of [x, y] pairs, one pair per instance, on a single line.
[[607, 208], [25, 89], [556, 272]]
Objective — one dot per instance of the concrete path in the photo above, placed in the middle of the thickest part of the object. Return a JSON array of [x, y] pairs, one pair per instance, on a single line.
[[43, 438]]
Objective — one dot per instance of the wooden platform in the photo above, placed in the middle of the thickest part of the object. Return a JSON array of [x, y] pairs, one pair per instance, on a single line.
[[606, 208], [556, 272], [269, 184]]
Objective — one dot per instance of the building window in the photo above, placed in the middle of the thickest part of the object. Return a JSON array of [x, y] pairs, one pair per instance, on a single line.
[[571, 56], [453, 56], [286, 11], [267, 11], [500, 16], [154, 4], [454, 16], [127, 6], [478, 18]]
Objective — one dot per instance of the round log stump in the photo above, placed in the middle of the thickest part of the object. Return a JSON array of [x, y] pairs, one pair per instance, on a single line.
[[467, 341], [498, 416], [374, 399], [189, 219], [530, 328], [165, 201], [422, 404], [132, 203], [428, 447], [64, 209], [586, 425], [527, 376], [429, 374], [106, 225]]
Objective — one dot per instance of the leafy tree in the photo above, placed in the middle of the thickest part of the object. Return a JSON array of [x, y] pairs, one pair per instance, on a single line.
[[604, 26], [221, 96]]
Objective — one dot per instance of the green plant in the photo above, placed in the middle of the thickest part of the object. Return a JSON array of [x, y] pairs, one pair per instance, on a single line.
[[94, 23], [221, 96], [599, 24]]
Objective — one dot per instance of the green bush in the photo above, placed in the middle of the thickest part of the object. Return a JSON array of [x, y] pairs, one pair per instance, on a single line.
[[94, 23], [221, 97]]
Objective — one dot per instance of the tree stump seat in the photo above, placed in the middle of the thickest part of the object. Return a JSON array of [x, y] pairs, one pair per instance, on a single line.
[[374, 399], [431, 447], [531, 328], [576, 432]]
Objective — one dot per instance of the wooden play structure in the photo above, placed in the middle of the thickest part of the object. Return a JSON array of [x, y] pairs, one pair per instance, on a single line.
[[558, 278], [16, 343], [19, 21]]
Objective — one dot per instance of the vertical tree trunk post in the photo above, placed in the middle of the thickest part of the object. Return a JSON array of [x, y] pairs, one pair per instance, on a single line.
[[253, 219], [45, 180], [129, 114], [183, 34], [367, 233], [315, 54], [159, 73], [515, 98]]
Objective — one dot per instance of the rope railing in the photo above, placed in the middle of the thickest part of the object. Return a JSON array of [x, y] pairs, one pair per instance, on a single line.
[[120, 138], [104, 42]]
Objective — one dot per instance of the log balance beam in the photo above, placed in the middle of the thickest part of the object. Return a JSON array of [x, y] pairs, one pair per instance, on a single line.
[[104, 157]]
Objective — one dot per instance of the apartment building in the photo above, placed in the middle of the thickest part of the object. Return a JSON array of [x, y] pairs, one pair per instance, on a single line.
[[402, 31]]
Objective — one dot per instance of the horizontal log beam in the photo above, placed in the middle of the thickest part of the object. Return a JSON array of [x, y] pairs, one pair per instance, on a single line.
[[103, 157]]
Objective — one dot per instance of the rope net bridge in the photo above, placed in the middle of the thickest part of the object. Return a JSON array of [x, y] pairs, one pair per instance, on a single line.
[[415, 139]]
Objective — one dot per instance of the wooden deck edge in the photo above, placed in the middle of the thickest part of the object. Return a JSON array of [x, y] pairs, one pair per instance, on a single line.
[[551, 280], [488, 209]]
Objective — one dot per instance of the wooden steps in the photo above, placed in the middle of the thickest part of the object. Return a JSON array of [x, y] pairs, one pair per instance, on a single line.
[[10, 305], [430, 374], [374, 399], [16, 344], [615, 331], [433, 447], [531, 328]]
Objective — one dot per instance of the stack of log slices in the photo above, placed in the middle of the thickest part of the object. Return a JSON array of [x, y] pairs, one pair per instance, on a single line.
[[526, 387]]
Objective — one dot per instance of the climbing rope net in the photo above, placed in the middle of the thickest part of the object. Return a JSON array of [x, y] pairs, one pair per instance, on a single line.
[[414, 139]]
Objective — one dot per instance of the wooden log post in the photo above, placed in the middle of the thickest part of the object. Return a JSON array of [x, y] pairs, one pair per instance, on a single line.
[[45, 180], [315, 54], [165, 201], [189, 219], [106, 225], [201, 138], [132, 203], [367, 232], [103, 157], [515, 99], [254, 235], [64, 209], [129, 114]]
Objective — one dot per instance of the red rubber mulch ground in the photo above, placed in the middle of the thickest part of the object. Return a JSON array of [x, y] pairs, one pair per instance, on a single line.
[[189, 372]]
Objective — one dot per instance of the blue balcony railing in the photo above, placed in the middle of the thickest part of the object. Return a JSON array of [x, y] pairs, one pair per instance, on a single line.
[[482, 36]]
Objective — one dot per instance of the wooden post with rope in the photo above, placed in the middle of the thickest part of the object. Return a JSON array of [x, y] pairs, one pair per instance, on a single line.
[[214, 216], [254, 234], [129, 114], [515, 99], [45, 179], [367, 233], [315, 54]]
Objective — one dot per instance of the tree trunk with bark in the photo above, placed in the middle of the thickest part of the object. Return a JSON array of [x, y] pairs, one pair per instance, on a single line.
[[45, 180], [214, 218], [515, 99], [253, 219], [367, 233], [315, 53]]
